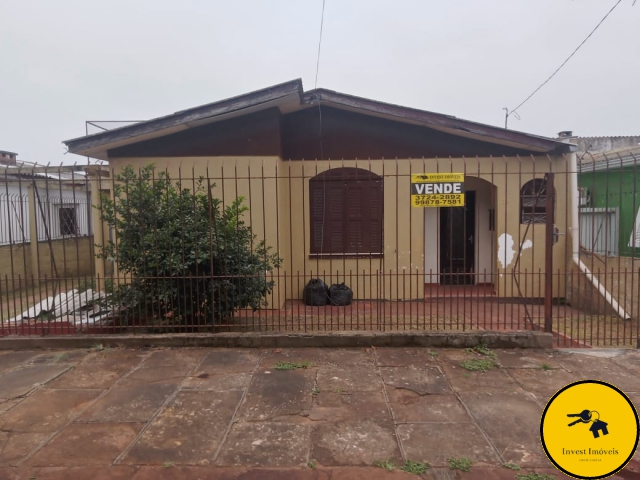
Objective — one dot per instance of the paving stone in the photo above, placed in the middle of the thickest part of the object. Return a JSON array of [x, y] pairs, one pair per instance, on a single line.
[[588, 367], [630, 359], [21, 381], [435, 443], [348, 379], [180, 472], [14, 447], [543, 384], [218, 383], [87, 445], [90, 473], [463, 380], [319, 356], [512, 422], [176, 357], [187, 432], [527, 359], [156, 376], [17, 473], [47, 410], [128, 404], [407, 357], [495, 380], [277, 394], [424, 380], [61, 357], [363, 473], [10, 360], [354, 442], [99, 370], [410, 407], [228, 361], [332, 406], [6, 405], [490, 473], [266, 444]]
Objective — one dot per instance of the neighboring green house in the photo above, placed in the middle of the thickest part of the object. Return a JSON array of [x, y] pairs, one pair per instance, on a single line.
[[609, 202]]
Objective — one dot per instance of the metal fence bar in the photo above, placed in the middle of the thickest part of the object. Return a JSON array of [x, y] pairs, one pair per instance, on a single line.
[[194, 273]]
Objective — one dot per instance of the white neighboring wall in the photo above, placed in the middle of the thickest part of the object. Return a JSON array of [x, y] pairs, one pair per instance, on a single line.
[[60, 213]]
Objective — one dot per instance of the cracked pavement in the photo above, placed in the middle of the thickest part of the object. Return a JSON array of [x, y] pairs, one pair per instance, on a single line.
[[231, 414]]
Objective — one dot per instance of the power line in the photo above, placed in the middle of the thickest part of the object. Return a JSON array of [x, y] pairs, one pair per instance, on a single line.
[[319, 44], [563, 63]]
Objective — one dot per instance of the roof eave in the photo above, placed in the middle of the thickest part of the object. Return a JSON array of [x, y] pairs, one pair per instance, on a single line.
[[447, 123], [91, 145]]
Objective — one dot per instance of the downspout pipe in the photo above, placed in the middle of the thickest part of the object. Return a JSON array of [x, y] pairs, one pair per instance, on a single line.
[[575, 238]]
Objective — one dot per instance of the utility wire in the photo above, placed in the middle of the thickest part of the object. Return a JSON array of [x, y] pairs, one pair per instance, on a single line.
[[565, 62], [319, 44]]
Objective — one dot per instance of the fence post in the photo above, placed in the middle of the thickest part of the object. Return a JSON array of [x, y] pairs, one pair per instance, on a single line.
[[33, 234], [548, 251]]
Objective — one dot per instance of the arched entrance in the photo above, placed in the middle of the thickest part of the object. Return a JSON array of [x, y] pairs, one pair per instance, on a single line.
[[460, 242]]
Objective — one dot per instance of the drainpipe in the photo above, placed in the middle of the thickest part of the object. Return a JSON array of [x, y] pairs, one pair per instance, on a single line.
[[575, 238]]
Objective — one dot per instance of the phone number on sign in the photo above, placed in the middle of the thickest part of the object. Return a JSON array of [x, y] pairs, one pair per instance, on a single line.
[[438, 200]]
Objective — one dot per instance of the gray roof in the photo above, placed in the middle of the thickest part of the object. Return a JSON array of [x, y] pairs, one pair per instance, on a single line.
[[290, 97]]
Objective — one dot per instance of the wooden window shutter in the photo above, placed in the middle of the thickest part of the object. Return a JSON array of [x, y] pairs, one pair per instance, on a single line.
[[334, 239], [316, 194], [346, 212], [375, 208], [356, 229]]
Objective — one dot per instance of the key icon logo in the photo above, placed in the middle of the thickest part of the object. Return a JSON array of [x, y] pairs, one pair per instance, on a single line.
[[587, 416]]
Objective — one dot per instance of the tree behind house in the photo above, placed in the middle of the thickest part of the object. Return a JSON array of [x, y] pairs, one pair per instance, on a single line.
[[183, 256]]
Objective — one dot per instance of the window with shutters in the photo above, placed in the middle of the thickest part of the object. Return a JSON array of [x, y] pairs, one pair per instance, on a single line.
[[533, 201], [346, 207]]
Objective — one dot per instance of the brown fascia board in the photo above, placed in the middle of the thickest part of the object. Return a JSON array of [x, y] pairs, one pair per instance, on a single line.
[[247, 100], [443, 121]]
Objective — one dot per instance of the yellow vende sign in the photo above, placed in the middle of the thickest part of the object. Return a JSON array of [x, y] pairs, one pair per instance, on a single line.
[[589, 429], [437, 189]]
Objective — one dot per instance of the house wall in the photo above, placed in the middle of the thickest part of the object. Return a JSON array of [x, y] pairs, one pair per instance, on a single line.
[[620, 276], [400, 273], [19, 267], [15, 221], [617, 188], [277, 193]]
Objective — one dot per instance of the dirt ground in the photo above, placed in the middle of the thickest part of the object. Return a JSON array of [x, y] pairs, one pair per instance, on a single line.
[[304, 414]]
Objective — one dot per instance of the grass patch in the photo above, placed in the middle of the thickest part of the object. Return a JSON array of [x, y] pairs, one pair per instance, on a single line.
[[416, 468], [433, 353], [386, 464], [535, 476], [311, 465], [291, 365], [58, 357], [483, 350], [315, 391], [485, 361], [511, 466], [545, 367], [167, 464], [594, 330], [462, 464], [478, 364]]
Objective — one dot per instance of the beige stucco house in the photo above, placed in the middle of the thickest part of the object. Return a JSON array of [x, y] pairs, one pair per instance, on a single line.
[[327, 178]]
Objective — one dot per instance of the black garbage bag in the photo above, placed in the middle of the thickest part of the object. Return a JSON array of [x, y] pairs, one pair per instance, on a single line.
[[340, 294], [316, 293]]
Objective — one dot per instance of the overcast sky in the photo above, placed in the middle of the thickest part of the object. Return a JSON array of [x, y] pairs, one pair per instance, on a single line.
[[68, 61]]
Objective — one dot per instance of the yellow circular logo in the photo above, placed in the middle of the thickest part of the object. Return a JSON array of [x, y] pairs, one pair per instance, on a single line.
[[589, 429]]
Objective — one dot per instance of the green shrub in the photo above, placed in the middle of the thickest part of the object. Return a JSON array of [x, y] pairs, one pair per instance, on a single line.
[[186, 258]]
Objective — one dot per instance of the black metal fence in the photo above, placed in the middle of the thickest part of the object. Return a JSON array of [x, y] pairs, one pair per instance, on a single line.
[[545, 243]]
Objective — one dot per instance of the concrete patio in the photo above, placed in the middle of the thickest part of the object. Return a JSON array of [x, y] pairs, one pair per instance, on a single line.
[[230, 414]]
